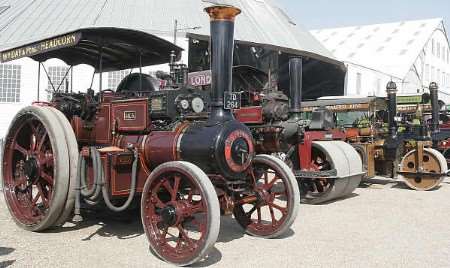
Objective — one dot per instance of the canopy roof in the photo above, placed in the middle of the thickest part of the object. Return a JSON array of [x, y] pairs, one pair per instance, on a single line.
[[118, 48], [261, 22]]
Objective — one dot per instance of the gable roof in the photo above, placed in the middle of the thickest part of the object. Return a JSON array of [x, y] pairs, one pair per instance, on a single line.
[[261, 21], [391, 48]]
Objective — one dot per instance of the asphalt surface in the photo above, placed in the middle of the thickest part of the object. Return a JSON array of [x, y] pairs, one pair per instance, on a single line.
[[382, 225]]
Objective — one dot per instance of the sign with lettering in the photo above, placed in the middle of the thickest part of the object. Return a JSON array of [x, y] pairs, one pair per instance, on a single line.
[[339, 107], [129, 115], [54, 43], [231, 101], [202, 78]]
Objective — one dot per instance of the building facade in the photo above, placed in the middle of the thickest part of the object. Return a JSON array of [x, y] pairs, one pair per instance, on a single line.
[[411, 53]]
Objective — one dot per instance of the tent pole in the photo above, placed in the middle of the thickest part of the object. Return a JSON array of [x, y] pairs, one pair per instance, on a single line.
[[38, 81], [140, 71]]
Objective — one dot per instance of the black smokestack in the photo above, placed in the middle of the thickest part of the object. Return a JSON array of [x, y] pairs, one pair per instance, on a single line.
[[221, 42], [391, 90], [296, 78], [434, 107]]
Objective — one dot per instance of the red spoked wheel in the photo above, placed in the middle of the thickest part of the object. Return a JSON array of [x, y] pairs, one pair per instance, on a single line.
[[271, 207], [180, 213], [35, 169]]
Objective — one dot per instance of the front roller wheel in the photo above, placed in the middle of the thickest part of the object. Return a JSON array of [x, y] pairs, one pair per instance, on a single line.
[[35, 169], [180, 213], [433, 162], [270, 208]]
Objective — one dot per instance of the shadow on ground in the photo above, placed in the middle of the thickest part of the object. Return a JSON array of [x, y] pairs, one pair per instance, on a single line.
[[124, 225], [3, 252]]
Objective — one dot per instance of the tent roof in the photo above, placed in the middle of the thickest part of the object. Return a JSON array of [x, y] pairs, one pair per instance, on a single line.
[[261, 21], [391, 48]]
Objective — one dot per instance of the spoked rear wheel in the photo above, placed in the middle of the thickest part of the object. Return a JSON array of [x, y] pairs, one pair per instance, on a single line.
[[180, 213], [270, 208], [35, 169]]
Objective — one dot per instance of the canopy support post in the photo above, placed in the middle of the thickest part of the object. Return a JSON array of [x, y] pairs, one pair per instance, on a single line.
[[71, 80], [39, 81], [140, 71], [100, 69], [48, 77]]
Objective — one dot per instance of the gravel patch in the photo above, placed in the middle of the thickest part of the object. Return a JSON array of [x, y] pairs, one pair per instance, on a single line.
[[381, 225]]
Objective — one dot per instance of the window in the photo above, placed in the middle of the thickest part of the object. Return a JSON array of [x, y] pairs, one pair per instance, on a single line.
[[443, 78], [114, 78], [432, 74], [443, 53], [427, 72], [378, 86], [58, 79], [432, 47], [438, 76], [438, 50], [358, 83], [10, 83]]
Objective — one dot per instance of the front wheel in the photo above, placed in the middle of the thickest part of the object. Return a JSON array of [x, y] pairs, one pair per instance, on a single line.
[[271, 206], [180, 213]]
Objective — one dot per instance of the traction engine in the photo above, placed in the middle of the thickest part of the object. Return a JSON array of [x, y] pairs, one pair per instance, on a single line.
[[325, 166], [177, 150]]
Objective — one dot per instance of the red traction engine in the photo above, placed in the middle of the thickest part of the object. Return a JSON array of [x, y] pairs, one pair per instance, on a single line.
[[186, 165], [326, 167]]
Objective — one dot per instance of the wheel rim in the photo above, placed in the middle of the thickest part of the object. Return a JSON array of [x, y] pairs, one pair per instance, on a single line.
[[267, 209], [29, 171], [431, 164], [175, 216]]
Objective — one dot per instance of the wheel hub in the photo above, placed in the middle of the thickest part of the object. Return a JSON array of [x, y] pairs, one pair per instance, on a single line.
[[31, 168], [168, 215]]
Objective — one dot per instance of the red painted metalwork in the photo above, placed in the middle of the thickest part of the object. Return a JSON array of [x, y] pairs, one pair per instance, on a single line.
[[305, 148], [234, 136], [249, 115], [131, 115], [179, 193], [28, 190]]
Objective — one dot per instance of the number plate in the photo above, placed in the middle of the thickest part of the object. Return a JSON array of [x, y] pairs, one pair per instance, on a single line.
[[231, 101]]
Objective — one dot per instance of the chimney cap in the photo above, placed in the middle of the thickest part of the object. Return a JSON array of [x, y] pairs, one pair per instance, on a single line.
[[391, 87], [433, 86], [222, 12]]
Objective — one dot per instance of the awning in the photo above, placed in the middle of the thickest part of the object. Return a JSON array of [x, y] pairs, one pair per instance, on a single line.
[[120, 49]]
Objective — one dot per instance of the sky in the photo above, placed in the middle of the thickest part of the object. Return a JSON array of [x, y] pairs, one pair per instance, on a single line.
[[319, 14]]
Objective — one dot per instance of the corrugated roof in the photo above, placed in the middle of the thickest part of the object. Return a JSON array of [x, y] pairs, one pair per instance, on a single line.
[[391, 48], [261, 22]]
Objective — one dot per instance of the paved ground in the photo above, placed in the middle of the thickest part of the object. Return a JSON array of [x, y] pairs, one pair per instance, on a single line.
[[383, 225]]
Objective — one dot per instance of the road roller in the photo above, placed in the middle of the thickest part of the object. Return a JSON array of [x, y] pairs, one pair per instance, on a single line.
[[326, 167], [387, 147], [426, 115], [177, 151]]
